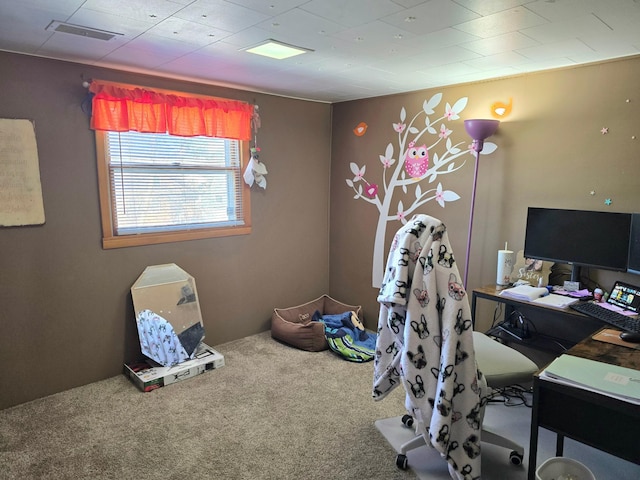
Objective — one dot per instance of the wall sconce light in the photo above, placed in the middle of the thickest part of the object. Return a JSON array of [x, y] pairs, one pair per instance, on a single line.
[[501, 109], [479, 130]]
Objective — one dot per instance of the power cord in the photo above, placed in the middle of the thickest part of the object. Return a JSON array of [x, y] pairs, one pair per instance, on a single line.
[[517, 325], [512, 396]]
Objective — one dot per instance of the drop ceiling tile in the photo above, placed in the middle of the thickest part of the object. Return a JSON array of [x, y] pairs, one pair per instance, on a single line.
[[581, 27], [545, 64], [500, 23], [170, 47], [430, 17], [565, 48], [351, 13], [624, 22], [489, 7], [22, 28], [491, 62], [444, 56], [612, 45], [481, 75], [301, 24], [500, 43], [376, 33], [141, 10], [188, 32], [409, 3], [61, 7], [220, 14], [444, 38], [558, 11], [141, 57], [272, 7]]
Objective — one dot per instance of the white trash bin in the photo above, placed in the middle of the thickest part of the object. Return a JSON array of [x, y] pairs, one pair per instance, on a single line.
[[561, 468]]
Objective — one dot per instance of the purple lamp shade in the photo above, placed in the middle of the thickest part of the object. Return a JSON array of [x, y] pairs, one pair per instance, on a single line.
[[479, 130]]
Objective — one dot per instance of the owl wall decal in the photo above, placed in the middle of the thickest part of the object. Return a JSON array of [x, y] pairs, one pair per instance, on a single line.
[[416, 160]]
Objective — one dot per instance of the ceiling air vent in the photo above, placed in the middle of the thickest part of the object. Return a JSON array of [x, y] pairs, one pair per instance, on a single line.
[[88, 32]]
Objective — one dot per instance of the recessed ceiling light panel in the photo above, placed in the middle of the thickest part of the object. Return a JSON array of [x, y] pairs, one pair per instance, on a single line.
[[274, 49]]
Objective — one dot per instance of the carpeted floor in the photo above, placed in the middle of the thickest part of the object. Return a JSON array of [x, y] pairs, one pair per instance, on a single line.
[[272, 412]]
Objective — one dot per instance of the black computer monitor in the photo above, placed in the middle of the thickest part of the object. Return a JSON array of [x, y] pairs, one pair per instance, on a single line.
[[634, 245], [578, 237]]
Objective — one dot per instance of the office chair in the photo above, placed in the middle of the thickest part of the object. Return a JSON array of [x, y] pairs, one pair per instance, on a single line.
[[426, 343], [501, 366]]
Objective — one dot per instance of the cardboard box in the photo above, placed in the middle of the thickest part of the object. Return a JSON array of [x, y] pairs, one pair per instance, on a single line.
[[168, 317], [148, 376]]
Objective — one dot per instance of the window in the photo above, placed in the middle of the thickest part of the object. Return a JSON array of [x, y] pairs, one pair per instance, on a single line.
[[169, 164], [158, 188]]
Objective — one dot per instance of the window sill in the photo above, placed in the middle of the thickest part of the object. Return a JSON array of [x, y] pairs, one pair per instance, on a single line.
[[157, 238]]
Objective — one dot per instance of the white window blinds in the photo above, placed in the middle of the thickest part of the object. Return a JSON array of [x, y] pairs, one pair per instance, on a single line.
[[164, 183]]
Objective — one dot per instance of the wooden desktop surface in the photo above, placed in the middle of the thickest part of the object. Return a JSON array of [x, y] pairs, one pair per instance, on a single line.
[[607, 353]]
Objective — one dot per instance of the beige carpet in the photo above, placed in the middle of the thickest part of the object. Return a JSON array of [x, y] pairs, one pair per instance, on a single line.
[[272, 412]]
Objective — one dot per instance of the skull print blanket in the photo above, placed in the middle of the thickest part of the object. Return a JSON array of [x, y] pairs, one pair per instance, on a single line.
[[425, 343]]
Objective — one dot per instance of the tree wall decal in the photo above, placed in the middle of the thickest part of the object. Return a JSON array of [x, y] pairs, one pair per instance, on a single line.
[[416, 164]]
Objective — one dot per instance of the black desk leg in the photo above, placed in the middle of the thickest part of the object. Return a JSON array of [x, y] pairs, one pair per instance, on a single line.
[[473, 310], [559, 445], [533, 437]]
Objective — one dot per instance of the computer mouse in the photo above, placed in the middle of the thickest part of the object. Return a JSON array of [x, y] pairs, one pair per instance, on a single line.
[[630, 337]]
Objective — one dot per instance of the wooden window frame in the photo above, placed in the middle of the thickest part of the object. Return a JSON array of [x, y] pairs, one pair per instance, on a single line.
[[111, 240]]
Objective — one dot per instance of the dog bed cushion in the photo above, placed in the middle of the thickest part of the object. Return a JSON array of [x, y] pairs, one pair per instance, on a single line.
[[294, 325], [347, 336]]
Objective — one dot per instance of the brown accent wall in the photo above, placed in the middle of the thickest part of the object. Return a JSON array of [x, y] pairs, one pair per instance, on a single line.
[[67, 317], [550, 154]]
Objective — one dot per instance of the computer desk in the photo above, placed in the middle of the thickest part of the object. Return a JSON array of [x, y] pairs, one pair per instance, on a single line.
[[595, 419], [553, 329]]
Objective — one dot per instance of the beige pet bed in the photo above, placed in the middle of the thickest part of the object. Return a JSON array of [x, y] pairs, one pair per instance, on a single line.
[[293, 325]]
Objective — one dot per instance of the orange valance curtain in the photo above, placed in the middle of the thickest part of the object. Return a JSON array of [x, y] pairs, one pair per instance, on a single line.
[[121, 108]]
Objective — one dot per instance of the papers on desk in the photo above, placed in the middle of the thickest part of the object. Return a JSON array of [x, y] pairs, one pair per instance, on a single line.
[[524, 293], [557, 301], [611, 380]]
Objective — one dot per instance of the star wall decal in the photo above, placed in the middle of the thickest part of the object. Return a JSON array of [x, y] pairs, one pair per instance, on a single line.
[[604, 130], [607, 201]]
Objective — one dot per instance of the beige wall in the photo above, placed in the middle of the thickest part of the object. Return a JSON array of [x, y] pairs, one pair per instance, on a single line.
[[550, 153], [67, 317]]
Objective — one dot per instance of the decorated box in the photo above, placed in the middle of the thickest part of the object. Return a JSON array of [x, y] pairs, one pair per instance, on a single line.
[[148, 375]]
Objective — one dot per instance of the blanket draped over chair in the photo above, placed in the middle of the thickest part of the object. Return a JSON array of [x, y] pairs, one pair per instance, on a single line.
[[425, 343]]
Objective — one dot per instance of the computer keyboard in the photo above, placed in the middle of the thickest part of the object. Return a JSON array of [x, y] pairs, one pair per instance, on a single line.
[[630, 324]]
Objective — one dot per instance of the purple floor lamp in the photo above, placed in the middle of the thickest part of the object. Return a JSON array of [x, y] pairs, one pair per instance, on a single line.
[[479, 130]]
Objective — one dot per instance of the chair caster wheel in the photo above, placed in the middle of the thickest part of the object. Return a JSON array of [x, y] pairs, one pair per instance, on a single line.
[[407, 421], [402, 462], [515, 458]]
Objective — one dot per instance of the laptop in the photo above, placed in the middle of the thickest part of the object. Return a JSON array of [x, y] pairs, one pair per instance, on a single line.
[[624, 298]]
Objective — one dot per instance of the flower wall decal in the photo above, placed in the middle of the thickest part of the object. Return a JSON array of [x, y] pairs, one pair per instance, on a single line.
[[424, 164]]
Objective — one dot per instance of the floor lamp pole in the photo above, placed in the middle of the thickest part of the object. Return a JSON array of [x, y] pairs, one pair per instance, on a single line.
[[479, 130], [473, 202]]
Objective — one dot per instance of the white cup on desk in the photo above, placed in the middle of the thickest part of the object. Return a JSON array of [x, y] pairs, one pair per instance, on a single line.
[[506, 261]]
